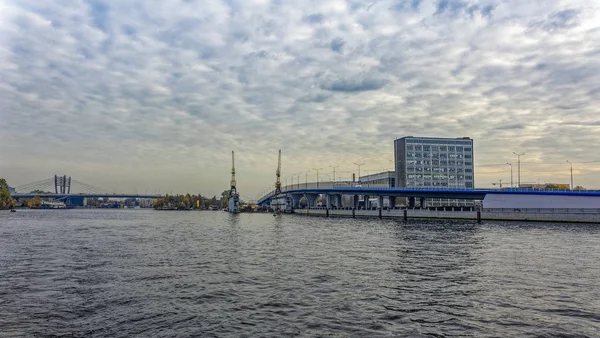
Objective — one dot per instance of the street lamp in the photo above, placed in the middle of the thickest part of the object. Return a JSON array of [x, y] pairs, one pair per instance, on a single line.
[[306, 178], [317, 170], [511, 174], [571, 163], [519, 166], [333, 166], [358, 164], [298, 174]]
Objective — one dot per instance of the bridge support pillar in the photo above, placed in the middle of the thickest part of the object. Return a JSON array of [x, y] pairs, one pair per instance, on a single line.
[[392, 202], [366, 199], [296, 201], [327, 204], [354, 205], [311, 200], [336, 201], [380, 204], [411, 202], [422, 202]]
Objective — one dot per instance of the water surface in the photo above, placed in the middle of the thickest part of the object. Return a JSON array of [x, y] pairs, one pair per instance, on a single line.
[[141, 273]]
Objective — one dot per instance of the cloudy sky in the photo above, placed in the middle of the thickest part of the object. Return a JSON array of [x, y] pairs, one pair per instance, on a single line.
[[135, 95]]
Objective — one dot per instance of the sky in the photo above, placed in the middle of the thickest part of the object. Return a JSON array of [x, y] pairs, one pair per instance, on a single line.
[[152, 96]]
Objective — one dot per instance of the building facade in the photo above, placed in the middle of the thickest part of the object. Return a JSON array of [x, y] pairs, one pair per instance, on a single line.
[[431, 162], [385, 179]]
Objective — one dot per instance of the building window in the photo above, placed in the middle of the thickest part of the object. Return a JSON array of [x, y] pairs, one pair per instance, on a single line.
[[443, 148], [435, 148], [468, 177], [469, 184], [451, 148], [468, 156], [410, 147], [460, 149], [426, 148], [418, 148], [468, 163], [468, 170], [467, 149]]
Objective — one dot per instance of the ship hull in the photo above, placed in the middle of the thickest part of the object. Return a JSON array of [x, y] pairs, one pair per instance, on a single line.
[[233, 205]]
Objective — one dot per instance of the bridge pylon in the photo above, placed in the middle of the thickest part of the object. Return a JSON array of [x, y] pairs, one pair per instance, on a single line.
[[62, 184]]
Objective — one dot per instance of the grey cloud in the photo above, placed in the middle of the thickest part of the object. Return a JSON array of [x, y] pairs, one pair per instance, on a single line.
[[511, 126], [561, 20], [357, 83], [314, 18], [337, 44]]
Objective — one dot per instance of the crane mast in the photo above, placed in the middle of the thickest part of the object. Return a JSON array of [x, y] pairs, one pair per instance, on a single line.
[[278, 174], [233, 188]]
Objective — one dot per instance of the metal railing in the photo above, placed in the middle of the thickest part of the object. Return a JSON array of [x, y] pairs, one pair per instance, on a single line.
[[354, 185]]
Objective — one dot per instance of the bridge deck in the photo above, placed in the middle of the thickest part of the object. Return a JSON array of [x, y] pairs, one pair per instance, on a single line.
[[472, 194]]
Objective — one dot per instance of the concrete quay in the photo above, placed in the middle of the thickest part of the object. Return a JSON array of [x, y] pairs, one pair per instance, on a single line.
[[534, 215]]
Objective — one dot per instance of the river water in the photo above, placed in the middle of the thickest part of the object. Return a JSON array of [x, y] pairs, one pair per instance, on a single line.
[[141, 273]]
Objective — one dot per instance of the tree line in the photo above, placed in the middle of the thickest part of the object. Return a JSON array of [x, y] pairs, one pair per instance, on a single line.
[[187, 201], [6, 201]]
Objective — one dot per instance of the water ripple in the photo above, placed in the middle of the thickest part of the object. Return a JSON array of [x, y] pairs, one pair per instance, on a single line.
[[122, 273]]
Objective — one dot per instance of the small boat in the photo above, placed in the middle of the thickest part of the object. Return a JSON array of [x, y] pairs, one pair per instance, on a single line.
[[13, 210]]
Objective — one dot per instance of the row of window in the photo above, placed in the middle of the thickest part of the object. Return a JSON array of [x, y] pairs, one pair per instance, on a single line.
[[438, 170], [441, 184], [389, 181], [418, 147], [439, 163], [440, 177], [439, 141], [436, 155]]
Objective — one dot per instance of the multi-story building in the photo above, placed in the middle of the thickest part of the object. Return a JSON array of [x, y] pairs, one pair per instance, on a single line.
[[432, 162]]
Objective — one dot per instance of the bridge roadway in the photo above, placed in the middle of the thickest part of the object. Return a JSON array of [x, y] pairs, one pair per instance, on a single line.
[[467, 194], [64, 196]]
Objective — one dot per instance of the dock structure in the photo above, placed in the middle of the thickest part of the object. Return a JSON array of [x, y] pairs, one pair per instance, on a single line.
[[381, 202]]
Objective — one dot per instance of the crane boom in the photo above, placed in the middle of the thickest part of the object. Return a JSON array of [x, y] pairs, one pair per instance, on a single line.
[[278, 175], [233, 188]]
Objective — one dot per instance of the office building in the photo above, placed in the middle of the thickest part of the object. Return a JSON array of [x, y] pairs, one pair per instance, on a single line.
[[431, 162]]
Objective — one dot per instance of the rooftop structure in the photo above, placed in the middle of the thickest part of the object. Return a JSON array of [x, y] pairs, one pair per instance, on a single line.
[[385, 179]]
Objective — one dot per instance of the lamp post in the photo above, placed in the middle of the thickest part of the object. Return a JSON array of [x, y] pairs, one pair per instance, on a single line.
[[317, 170], [571, 163], [358, 164], [298, 174], [306, 179], [333, 166], [519, 167], [511, 174]]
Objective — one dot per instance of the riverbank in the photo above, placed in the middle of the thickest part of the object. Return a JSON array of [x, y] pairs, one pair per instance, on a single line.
[[533, 215]]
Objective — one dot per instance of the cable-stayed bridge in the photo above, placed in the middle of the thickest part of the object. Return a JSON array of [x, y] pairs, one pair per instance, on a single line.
[[63, 187]]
